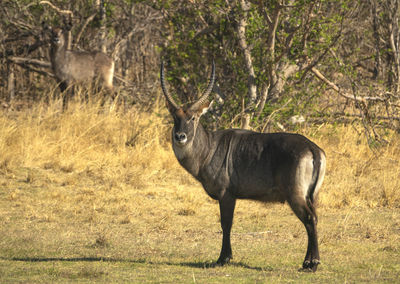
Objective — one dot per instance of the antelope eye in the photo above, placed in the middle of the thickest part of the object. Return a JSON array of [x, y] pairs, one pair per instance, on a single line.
[[192, 118]]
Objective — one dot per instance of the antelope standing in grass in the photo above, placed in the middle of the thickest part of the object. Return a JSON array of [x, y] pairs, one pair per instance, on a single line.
[[70, 66], [240, 164]]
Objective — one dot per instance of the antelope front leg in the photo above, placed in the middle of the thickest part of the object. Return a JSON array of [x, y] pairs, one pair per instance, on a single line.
[[226, 207]]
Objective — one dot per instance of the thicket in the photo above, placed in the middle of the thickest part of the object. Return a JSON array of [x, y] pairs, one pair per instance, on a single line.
[[277, 61]]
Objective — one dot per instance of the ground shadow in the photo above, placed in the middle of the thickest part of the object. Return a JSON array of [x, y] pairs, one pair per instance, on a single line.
[[72, 259], [199, 264], [215, 265]]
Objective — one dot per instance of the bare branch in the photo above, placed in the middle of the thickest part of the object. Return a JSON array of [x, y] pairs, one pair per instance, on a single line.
[[21, 25], [60, 11], [380, 117], [27, 49], [24, 62], [207, 30], [83, 27], [346, 95], [31, 61], [272, 33], [241, 31], [122, 43]]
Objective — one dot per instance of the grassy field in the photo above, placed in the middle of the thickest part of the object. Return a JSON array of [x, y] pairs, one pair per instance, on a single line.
[[96, 195]]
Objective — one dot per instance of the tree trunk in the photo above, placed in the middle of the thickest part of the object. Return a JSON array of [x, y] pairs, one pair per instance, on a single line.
[[375, 27], [11, 83], [252, 95], [102, 32]]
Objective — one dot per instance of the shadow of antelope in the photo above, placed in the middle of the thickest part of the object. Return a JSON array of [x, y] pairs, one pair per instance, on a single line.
[[75, 66]]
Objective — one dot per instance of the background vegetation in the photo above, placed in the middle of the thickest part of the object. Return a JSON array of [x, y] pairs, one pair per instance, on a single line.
[[322, 60], [94, 194]]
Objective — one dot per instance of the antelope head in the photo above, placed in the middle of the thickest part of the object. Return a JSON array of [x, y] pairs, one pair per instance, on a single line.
[[186, 118], [57, 37]]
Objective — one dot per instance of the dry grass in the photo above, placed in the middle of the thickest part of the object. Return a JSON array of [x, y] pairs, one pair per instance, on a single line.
[[129, 148], [132, 149], [96, 195], [358, 176]]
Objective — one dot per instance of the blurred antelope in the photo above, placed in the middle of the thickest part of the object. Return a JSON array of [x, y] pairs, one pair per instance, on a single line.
[[240, 164], [70, 66]]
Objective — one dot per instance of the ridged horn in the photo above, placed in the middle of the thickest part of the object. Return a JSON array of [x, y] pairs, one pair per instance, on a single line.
[[168, 97], [208, 91]]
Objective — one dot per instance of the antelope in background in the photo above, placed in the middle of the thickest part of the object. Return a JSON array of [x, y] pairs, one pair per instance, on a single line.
[[70, 66], [240, 164]]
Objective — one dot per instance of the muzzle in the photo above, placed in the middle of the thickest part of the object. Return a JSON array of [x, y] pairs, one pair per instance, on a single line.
[[180, 138]]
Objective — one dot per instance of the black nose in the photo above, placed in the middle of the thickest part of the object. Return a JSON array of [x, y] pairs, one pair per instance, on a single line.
[[180, 136]]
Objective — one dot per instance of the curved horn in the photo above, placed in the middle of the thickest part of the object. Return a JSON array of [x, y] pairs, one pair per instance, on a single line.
[[168, 97], [207, 92]]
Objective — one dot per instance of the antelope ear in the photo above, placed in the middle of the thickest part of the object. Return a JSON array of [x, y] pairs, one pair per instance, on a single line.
[[204, 108]]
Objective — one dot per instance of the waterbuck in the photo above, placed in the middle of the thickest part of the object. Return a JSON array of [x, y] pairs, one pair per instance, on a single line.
[[71, 66], [240, 164]]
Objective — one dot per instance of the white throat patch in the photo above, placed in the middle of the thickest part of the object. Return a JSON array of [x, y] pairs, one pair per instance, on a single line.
[[182, 151]]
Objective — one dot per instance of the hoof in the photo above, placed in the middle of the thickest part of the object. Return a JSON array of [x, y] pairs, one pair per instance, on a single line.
[[310, 266], [223, 260]]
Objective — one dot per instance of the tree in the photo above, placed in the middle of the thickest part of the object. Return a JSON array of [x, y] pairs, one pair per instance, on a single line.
[[261, 45], [275, 59], [129, 30]]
